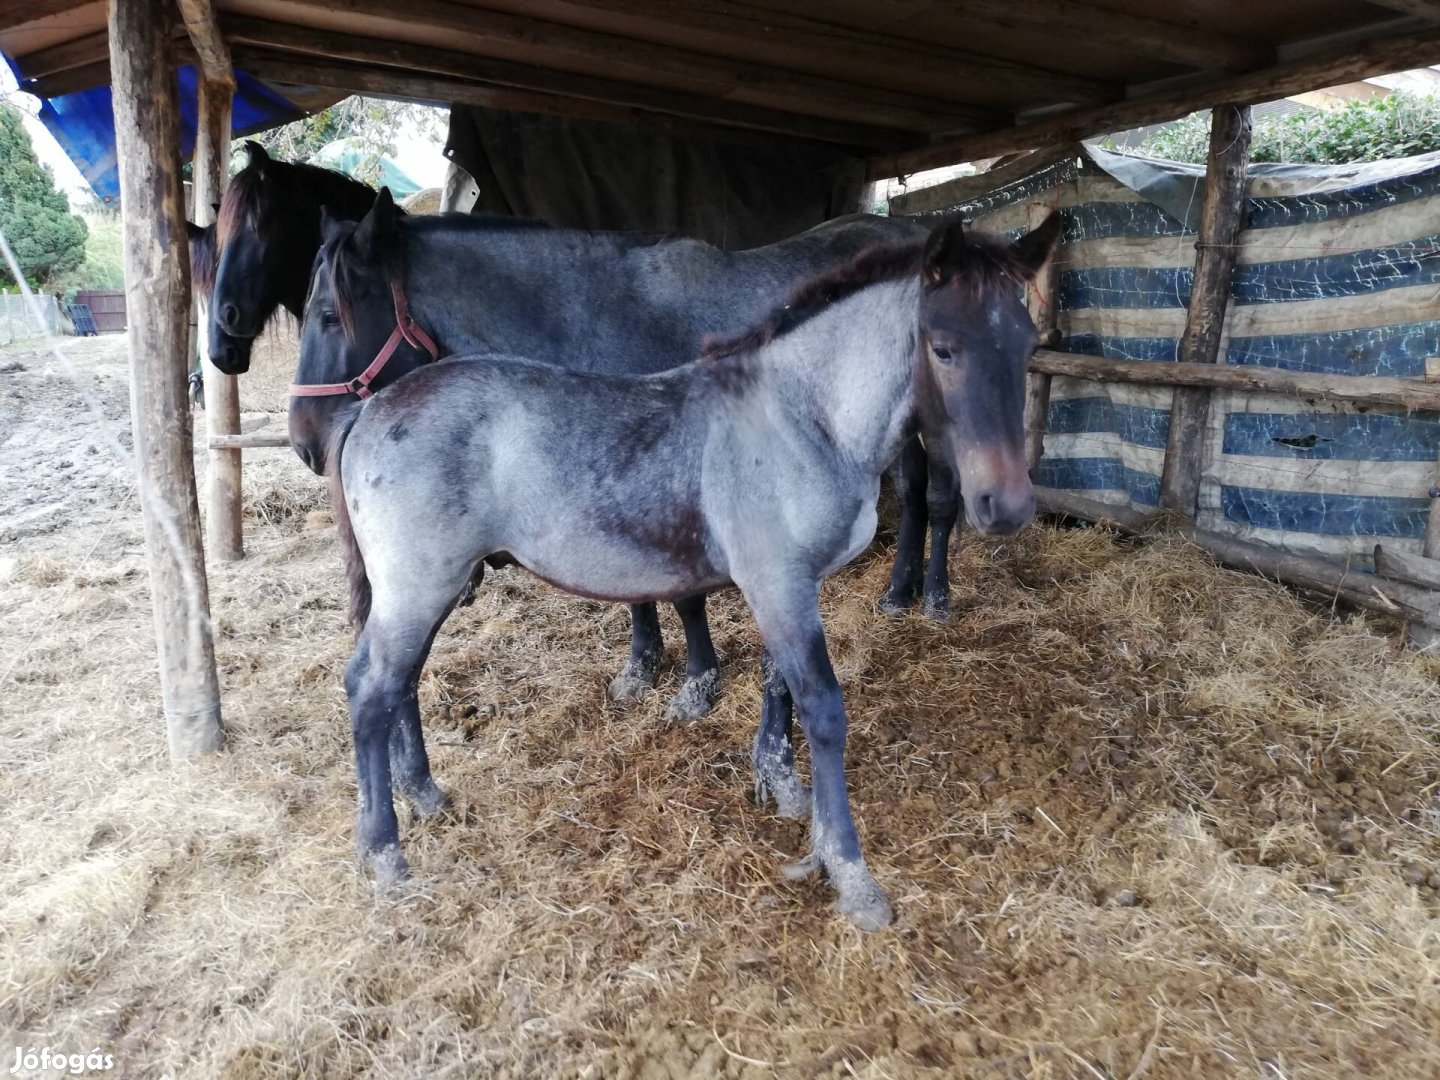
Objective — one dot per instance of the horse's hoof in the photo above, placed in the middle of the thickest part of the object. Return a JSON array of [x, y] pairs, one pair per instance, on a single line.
[[870, 912], [937, 608], [801, 869], [897, 603], [429, 801], [792, 798], [634, 682], [389, 867], [695, 699]]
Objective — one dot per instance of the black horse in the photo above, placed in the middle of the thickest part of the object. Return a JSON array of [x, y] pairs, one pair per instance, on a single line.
[[758, 466]]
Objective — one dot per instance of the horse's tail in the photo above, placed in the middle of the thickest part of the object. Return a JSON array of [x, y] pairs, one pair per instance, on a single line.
[[354, 560]]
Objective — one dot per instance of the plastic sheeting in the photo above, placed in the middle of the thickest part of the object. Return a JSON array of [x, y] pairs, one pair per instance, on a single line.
[[1338, 271], [83, 123]]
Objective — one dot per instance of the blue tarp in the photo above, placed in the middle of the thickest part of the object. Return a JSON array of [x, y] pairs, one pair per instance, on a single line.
[[83, 123]]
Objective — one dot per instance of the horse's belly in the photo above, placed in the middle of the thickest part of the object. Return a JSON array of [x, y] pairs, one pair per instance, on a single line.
[[862, 531], [627, 580]]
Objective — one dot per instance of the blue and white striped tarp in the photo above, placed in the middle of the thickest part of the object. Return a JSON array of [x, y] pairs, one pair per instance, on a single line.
[[1338, 271]]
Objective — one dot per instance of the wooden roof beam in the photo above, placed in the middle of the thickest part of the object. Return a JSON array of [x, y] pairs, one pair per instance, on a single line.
[[68, 55], [1359, 61], [29, 11], [614, 102], [1424, 9], [761, 25], [1082, 23], [210, 47], [736, 79]]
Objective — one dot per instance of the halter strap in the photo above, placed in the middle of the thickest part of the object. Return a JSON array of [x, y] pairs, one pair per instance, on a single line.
[[406, 329]]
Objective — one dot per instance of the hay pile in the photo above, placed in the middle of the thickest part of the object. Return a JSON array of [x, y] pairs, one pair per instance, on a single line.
[[1138, 816]]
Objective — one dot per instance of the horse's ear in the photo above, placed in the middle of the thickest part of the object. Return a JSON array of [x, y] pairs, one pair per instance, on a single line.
[[255, 156], [940, 249], [376, 229], [1034, 249]]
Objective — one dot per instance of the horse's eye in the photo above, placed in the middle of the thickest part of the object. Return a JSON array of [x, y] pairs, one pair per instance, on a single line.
[[941, 353], [329, 318]]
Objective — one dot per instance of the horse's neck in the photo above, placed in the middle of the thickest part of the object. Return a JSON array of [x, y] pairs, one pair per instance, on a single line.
[[851, 369]]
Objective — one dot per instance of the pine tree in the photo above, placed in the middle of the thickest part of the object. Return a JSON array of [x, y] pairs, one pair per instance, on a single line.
[[47, 239]]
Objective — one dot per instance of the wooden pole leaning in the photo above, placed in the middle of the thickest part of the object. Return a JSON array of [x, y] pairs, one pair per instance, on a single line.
[[157, 292], [1220, 222]]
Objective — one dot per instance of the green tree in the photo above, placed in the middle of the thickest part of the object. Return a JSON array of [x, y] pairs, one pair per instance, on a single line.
[[368, 125], [47, 239]]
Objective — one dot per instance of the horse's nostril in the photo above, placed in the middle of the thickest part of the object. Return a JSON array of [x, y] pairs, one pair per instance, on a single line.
[[229, 316], [985, 508]]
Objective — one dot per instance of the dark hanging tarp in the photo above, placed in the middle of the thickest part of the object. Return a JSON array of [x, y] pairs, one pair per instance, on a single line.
[[591, 175]]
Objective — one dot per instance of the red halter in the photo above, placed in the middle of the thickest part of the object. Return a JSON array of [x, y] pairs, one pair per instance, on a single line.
[[406, 329]]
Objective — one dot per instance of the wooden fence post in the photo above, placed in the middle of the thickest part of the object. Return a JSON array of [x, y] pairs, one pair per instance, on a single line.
[[1215, 249], [212, 166], [157, 289], [1040, 298]]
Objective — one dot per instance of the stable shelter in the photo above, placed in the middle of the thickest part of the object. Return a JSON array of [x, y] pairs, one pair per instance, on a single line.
[[844, 90]]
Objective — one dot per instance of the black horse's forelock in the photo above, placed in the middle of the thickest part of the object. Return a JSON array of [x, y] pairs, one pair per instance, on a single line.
[[979, 261], [248, 194]]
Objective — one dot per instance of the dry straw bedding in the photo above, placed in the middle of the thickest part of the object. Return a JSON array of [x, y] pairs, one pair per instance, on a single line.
[[1139, 815]]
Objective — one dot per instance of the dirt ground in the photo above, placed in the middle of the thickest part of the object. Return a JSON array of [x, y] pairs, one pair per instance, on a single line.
[[1139, 816]]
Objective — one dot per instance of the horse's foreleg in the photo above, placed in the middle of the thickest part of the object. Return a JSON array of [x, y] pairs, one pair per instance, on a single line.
[[943, 499], [381, 681], [788, 613], [774, 755], [909, 475], [646, 648], [702, 667]]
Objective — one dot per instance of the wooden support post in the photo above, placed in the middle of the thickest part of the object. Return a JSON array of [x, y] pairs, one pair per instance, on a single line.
[[212, 166], [222, 392], [157, 297], [1040, 298], [1220, 222]]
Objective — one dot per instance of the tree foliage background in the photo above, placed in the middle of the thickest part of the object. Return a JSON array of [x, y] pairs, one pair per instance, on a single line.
[[1397, 125], [47, 239], [368, 125]]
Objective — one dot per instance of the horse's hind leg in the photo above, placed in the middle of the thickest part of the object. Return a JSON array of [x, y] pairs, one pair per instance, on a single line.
[[774, 755], [909, 475], [788, 613], [943, 498], [646, 648], [702, 667]]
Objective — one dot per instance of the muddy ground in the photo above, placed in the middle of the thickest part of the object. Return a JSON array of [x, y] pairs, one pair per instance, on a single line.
[[1139, 816]]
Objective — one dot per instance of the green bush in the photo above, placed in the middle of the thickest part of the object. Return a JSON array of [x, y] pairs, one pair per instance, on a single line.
[[1398, 125], [104, 263]]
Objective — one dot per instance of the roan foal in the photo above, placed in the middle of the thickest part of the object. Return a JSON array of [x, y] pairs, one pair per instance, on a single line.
[[761, 468]]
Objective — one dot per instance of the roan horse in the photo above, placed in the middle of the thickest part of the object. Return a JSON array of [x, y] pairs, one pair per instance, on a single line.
[[757, 466], [612, 303]]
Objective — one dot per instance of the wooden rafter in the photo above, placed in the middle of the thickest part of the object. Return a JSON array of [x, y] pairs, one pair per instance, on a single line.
[[28, 11], [1067, 20], [771, 32], [668, 111], [1366, 59], [1425, 9], [631, 59]]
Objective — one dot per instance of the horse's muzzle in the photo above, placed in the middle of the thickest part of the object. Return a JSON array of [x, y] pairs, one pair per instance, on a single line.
[[229, 354]]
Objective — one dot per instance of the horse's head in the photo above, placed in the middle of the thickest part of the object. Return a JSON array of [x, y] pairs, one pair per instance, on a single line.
[[350, 316], [267, 235], [977, 339]]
